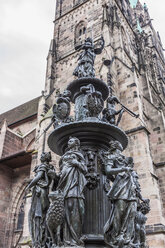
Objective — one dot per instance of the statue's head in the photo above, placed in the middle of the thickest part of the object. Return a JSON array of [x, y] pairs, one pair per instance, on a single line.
[[144, 207], [46, 157], [135, 175], [89, 42], [115, 145], [112, 100], [91, 155], [73, 142], [136, 180], [66, 93]]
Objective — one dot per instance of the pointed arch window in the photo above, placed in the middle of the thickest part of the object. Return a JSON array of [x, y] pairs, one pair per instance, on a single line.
[[80, 32], [20, 216], [18, 223]]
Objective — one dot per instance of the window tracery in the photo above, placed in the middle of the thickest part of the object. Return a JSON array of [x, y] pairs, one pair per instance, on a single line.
[[80, 33]]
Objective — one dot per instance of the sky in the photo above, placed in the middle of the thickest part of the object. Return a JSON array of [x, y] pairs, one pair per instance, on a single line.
[[26, 29]]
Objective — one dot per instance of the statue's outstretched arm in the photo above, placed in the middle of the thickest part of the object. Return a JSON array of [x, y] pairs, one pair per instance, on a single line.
[[35, 180]]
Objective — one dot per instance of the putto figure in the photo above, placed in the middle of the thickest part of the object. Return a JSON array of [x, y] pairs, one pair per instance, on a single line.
[[86, 59], [40, 201], [72, 182], [143, 208]]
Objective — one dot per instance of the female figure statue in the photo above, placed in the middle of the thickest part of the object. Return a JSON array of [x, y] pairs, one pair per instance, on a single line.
[[72, 182], [40, 201], [86, 60], [119, 230], [87, 57]]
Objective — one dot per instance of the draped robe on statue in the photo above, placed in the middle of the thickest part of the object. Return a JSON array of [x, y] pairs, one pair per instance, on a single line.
[[39, 206], [72, 183], [119, 230]]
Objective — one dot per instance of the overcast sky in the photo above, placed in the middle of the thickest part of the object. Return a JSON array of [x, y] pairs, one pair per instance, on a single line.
[[26, 28]]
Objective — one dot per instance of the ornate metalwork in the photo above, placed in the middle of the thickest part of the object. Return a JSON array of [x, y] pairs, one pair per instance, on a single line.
[[93, 178], [40, 201], [91, 166], [125, 195], [89, 103], [61, 110]]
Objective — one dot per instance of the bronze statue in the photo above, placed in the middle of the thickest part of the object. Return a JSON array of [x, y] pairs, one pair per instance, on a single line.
[[109, 113], [61, 110], [72, 182], [89, 103], [87, 57], [60, 223], [119, 230], [40, 201], [93, 102], [93, 178], [143, 208], [140, 222]]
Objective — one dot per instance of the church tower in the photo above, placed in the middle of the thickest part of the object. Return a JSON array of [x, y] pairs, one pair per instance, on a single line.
[[133, 66]]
